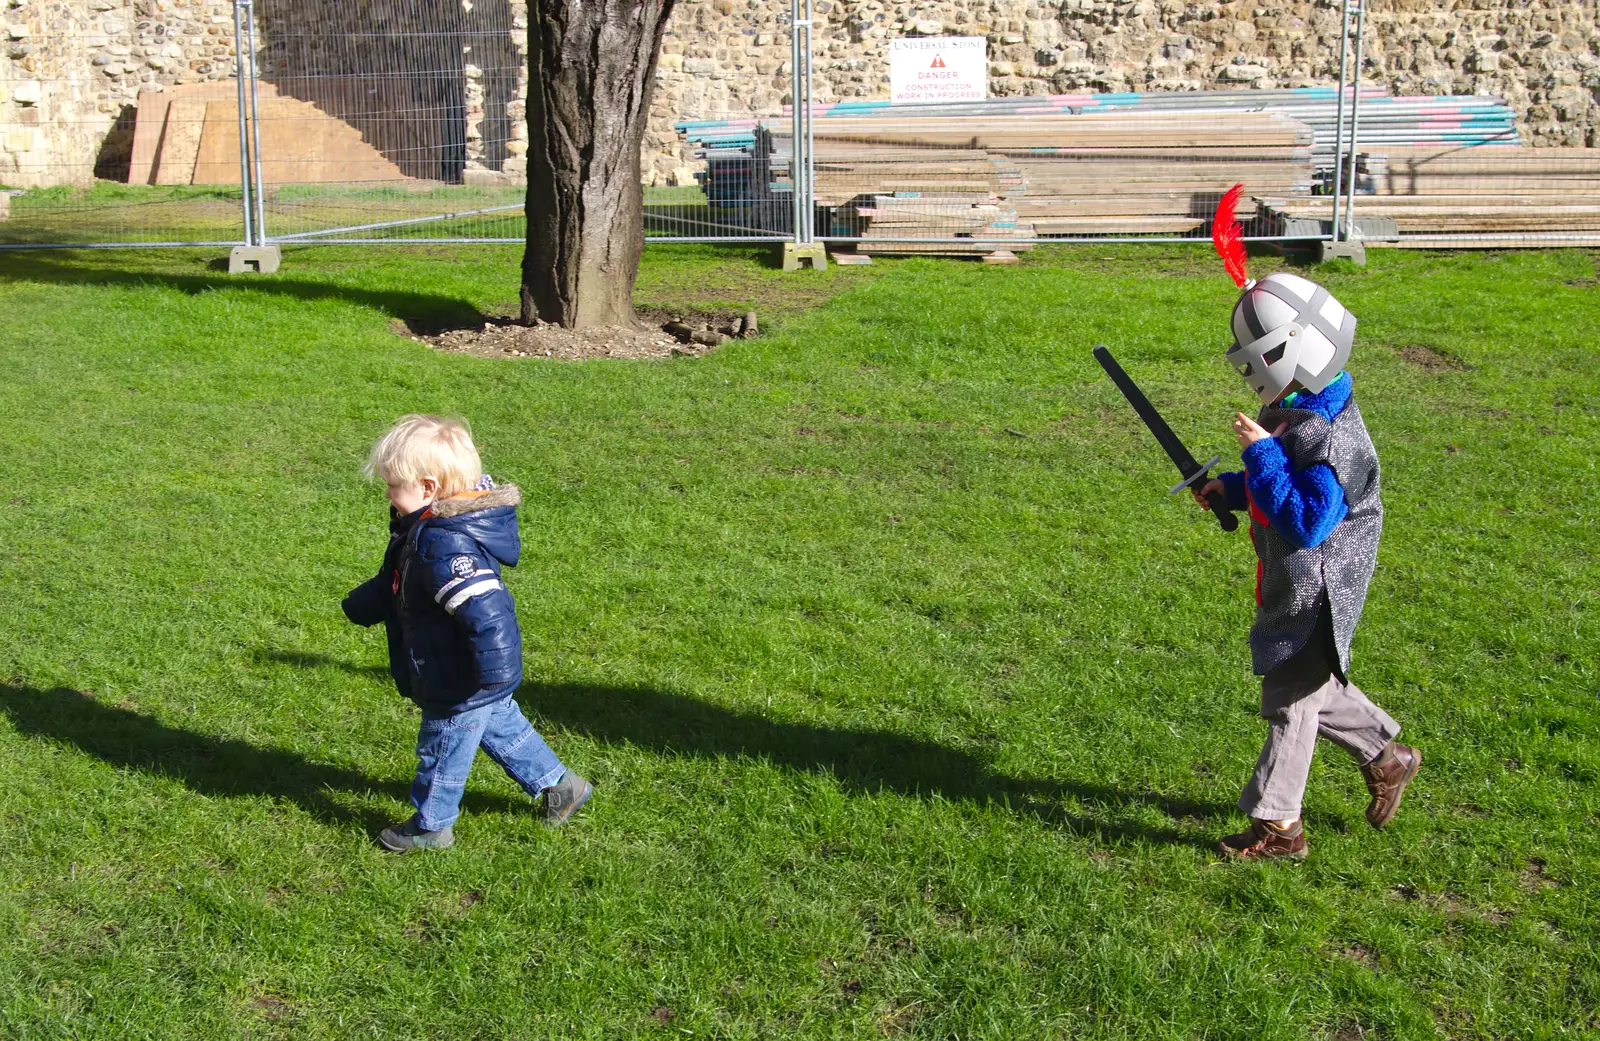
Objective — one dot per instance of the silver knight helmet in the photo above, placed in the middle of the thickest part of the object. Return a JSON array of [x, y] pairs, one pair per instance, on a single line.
[[1286, 329]]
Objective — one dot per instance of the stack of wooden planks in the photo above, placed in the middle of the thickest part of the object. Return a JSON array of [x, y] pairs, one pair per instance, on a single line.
[[962, 223], [915, 194], [970, 177], [1514, 196]]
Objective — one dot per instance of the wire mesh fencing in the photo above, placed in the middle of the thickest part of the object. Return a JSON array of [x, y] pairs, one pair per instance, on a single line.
[[395, 121], [405, 121], [222, 122], [97, 151], [718, 171], [1481, 197]]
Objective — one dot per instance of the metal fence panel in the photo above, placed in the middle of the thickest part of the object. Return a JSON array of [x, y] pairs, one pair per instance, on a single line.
[[396, 121], [98, 152], [403, 121]]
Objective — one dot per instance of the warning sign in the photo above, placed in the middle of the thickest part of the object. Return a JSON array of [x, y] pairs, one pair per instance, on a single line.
[[938, 68]]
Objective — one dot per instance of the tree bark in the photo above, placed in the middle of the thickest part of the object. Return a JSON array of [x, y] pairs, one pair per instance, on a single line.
[[592, 68]]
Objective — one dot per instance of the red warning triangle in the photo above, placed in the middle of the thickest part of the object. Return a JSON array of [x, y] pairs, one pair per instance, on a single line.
[[938, 62]]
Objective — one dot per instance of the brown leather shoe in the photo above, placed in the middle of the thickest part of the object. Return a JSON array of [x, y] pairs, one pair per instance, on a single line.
[[1387, 777], [1263, 841]]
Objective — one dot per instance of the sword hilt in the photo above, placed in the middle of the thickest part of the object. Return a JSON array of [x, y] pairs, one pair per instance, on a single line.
[[1198, 475], [1214, 500]]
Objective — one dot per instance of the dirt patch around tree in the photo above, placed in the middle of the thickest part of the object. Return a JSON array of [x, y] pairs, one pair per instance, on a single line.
[[660, 333]]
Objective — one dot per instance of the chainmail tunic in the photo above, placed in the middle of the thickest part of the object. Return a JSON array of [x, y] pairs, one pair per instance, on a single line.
[[1293, 580]]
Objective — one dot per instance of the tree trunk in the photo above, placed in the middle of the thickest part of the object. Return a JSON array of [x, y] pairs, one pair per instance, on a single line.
[[592, 68]]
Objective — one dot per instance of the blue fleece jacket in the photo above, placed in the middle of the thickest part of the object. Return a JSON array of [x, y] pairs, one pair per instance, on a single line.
[[1304, 506]]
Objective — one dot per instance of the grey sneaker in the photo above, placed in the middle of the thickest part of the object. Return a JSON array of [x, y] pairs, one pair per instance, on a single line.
[[564, 798], [407, 838]]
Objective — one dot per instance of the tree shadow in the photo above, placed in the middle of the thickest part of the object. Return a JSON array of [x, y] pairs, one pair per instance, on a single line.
[[209, 765], [861, 760], [417, 309]]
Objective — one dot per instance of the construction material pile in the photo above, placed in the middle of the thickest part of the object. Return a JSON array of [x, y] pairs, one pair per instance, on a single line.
[[1520, 196], [973, 184], [1154, 164], [1047, 176], [1461, 120]]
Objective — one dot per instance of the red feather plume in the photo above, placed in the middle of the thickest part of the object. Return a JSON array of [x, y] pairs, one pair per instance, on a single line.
[[1228, 236]]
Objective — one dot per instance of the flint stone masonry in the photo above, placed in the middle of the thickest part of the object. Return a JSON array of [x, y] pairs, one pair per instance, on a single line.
[[71, 70]]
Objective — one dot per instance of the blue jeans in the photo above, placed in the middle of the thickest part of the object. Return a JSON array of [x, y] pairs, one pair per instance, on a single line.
[[445, 749]]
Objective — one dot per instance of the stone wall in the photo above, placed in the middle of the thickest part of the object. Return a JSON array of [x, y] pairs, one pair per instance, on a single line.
[[71, 70]]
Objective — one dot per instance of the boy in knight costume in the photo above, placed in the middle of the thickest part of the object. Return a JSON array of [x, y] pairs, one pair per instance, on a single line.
[[1310, 484]]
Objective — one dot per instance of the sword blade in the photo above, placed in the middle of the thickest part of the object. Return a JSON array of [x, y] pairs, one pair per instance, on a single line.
[[1180, 456]]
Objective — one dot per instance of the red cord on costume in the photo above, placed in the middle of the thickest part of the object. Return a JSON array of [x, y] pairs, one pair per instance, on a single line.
[[1228, 236]]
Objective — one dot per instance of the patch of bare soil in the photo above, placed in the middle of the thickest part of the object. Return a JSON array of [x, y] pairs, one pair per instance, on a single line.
[[1533, 876], [1360, 953], [1432, 358], [1349, 1030], [659, 334]]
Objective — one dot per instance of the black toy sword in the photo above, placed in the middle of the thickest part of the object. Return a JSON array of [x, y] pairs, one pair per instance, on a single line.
[[1194, 474]]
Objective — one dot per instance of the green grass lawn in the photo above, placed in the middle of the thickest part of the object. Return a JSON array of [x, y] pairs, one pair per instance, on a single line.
[[913, 704]]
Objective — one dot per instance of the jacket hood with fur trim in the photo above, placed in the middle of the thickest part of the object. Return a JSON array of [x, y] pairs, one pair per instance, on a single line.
[[488, 517]]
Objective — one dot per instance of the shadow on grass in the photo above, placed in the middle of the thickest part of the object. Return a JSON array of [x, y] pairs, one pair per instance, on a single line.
[[864, 760], [663, 723], [214, 766], [302, 660], [421, 311]]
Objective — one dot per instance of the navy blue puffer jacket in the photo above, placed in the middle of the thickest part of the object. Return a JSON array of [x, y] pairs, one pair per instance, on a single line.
[[454, 642]]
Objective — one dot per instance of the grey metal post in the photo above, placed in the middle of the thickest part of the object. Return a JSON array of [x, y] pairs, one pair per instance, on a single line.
[[803, 245], [1338, 122], [255, 126], [811, 140], [796, 145], [1355, 124], [244, 142]]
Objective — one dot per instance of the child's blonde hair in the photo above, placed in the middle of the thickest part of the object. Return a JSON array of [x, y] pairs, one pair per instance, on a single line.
[[419, 446]]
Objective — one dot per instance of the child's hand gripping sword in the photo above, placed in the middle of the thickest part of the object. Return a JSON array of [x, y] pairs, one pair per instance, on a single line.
[[1193, 473]]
